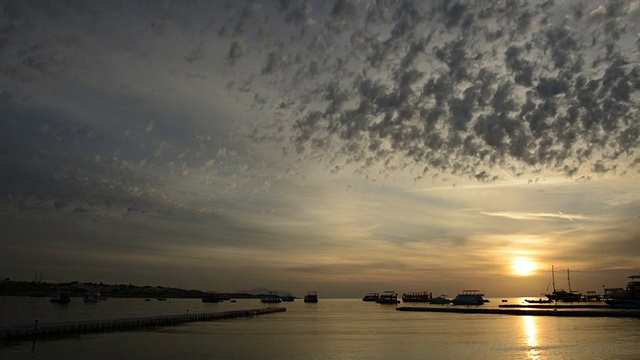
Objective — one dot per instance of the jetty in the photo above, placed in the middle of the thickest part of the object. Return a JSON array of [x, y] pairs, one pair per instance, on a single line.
[[530, 312], [63, 329]]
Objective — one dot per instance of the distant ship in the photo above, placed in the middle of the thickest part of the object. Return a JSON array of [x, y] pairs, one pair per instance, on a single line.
[[469, 297], [272, 298], [372, 297], [311, 297], [388, 297], [424, 297], [563, 295], [630, 297]]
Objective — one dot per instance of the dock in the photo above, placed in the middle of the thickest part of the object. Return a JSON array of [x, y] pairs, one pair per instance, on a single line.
[[59, 330], [529, 311]]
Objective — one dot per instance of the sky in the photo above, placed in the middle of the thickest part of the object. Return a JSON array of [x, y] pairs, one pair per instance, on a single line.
[[343, 146]]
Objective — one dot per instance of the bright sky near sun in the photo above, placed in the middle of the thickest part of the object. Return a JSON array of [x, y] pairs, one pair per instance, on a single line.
[[338, 146]]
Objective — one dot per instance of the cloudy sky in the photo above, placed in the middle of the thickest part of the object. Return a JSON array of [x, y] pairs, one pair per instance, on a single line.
[[343, 146]]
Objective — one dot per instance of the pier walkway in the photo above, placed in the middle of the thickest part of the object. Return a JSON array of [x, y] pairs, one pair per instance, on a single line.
[[53, 330]]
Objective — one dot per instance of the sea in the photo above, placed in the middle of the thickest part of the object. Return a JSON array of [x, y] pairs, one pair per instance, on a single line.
[[330, 329]]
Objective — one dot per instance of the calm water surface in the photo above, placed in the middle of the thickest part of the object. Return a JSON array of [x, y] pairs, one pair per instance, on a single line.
[[331, 329]]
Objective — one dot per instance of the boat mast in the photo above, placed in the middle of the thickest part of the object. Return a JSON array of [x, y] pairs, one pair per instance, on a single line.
[[553, 278], [569, 280]]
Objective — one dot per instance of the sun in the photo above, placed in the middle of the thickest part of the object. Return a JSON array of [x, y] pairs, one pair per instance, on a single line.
[[523, 267]]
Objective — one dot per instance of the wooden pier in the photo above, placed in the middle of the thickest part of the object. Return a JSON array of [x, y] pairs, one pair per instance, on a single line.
[[53, 330], [530, 312]]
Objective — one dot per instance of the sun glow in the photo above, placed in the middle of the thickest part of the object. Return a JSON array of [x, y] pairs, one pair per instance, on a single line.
[[523, 266]]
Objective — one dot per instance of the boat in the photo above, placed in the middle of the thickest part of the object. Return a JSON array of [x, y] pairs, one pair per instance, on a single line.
[[424, 297], [272, 298], [563, 295], [627, 298], [211, 298], [311, 297], [288, 298], [440, 300], [91, 298], [60, 297], [161, 299], [469, 297], [388, 297], [371, 297], [539, 301]]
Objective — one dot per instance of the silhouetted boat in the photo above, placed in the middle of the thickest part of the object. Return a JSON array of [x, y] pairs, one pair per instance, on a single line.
[[60, 297], [440, 300], [563, 295], [211, 298], [372, 297], [161, 299], [388, 297], [287, 298], [539, 301], [469, 297], [91, 298], [424, 297], [272, 298], [628, 298], [311, 297]]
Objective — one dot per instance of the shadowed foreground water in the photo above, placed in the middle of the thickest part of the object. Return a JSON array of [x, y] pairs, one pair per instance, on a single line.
[[331, 329]]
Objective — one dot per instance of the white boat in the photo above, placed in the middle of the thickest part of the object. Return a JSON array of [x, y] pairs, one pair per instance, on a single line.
[[469, 297]]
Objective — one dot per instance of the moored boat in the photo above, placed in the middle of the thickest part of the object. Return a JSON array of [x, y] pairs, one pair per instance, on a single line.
[[311, 297], [388, 297], [629, 297], [372, 297], [211, 298], [539, 301], [563, 295], [272, 298], [91, 298], [424, 297], [60, 297], [288, 298], [440, 300], [469, 297]]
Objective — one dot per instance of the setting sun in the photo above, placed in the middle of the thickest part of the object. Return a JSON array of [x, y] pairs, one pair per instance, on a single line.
[[523, 266]]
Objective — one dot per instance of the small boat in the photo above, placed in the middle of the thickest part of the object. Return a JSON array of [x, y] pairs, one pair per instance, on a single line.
[[161, 299], [424, 297], [388, 297], [372, 297], [287, 298], [440, 300], [311, 297], [91, 298], [539, 301], [60, 297], [211, 298], [469, 297], [272, 298]]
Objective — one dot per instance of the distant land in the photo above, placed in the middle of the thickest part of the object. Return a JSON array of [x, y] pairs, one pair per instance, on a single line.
[[78, 289]]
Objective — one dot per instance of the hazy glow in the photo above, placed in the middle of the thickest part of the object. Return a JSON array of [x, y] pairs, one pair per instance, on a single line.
[[523, 266]]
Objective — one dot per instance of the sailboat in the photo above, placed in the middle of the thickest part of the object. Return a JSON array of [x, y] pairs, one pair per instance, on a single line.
[[560, 294]]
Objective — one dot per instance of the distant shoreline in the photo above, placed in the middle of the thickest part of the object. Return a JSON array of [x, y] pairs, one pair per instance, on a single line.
[[77, 289]]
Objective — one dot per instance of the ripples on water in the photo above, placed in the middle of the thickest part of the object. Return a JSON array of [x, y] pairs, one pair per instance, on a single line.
[[331, 329]]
